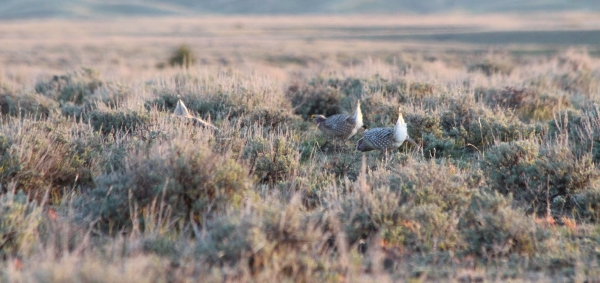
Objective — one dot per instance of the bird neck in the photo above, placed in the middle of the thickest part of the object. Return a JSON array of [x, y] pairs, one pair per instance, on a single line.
[[399, 129], [358, 117]]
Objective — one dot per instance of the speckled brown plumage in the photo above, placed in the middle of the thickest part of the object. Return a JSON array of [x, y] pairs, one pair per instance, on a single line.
[[340, 126], [385, 139]]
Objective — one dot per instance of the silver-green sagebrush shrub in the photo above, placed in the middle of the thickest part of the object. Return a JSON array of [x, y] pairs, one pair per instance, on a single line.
[[492, 228], [19, 222], [309, 99], [528, 103], [281, 239], [113, 120], [54, 155], [492, 67], [73, 87], [24, 104], [272, 160], [189, 181], [470, 124], [536, 175], [581, 128], [415, 207]]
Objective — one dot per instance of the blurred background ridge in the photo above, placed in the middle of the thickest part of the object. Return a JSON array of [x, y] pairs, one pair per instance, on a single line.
[[27, 9]]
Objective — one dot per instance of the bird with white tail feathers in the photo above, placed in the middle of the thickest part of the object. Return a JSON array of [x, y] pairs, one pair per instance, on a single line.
[[385, 139], [182, 111], [340, 126]]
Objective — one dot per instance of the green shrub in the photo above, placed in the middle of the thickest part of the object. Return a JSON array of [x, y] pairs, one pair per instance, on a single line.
[[471, 124], [113, 120], [492, 67], [24, 104], [278, 239], [269, 118], [9, 164], [581, 128], [528, 103], [536, 175], [19, 222], [271, 160], [434, 147], [314, 99], [183, 56], [185, 179], [583, 206], [403, 200], [583, 82], [424, 228], [492, 228], [50, 155], [74, 87]]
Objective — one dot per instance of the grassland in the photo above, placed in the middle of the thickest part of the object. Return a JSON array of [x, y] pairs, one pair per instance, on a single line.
[[100, 183]]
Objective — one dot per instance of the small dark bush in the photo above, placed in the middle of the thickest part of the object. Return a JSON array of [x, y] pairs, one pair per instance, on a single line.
[[24, 104], [281, 239], [19, 222], [528, 103], [536, 175], [271, 161], [183, 56], [112, 121], [470, 124], [74, 87], [269, 118], [9, 164], [49, 155], [185, 179], [315, 99], [492, 228], [490, 68], [581, 128], [402, 200]]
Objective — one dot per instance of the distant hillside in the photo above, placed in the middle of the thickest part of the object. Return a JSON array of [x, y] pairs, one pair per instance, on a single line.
[[20, 9]]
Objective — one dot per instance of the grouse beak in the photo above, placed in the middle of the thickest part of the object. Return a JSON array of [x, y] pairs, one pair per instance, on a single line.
[[412, 141]]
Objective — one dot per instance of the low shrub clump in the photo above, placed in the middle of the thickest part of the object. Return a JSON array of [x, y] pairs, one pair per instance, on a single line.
[[492, 228], [272, 160], [187, 180], [528, 103], [111, 121], [183, 56], [472, 125], [492, 67], [277, 241], [74, 87], [49, 156], [536, 175], [315, 99], [25, 104], [415, 207], [19, 223]]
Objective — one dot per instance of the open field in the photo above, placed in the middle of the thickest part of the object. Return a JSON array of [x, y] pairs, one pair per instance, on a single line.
[[100, 183]]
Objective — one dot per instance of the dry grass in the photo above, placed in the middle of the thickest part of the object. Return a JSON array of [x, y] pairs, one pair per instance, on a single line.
[[100, 183]]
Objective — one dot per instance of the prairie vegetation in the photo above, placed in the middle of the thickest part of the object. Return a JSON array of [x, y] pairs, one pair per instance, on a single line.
[[99, 182]]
